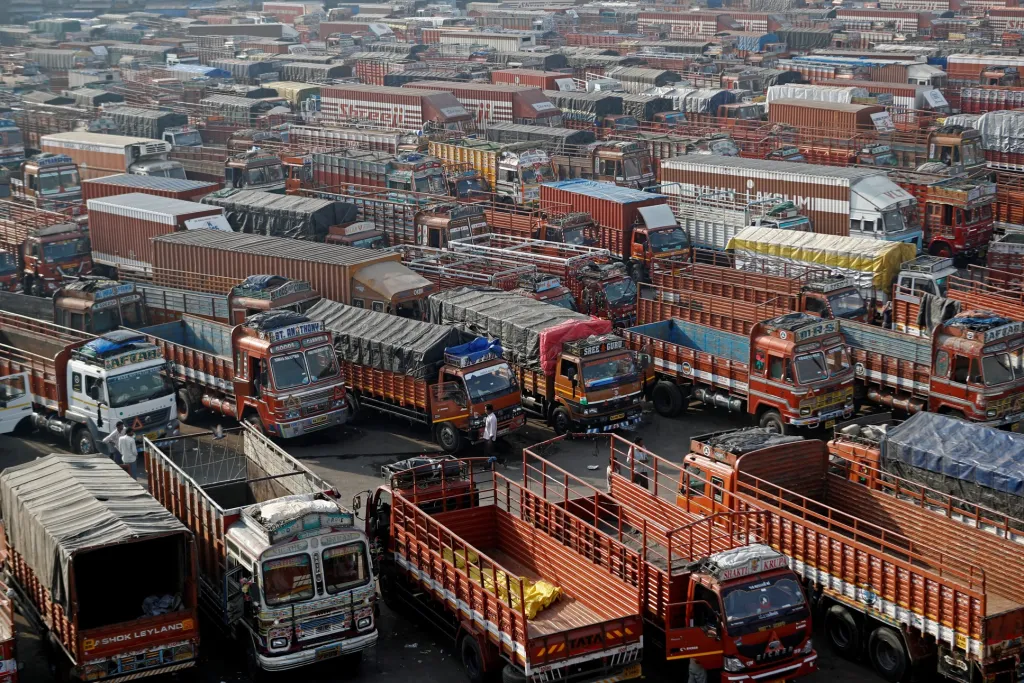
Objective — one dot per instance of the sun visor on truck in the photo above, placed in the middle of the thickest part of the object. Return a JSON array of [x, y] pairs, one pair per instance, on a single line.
[[658, 216], [878, 193]]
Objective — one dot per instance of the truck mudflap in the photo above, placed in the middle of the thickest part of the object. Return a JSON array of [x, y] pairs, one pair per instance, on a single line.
[[308, 425], [320, 653], [787, 672]]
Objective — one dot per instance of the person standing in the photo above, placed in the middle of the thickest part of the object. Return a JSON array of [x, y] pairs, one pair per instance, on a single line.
[[637, 457], [110, 441], [490, 433], [129, 452]]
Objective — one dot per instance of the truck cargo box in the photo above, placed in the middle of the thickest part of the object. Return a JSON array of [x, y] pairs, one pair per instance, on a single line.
[[127, 183], [274, 215]]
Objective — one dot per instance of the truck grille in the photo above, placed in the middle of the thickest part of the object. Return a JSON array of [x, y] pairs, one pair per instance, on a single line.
[[783, 649], [316, 628], [156, 418], [616, 404]]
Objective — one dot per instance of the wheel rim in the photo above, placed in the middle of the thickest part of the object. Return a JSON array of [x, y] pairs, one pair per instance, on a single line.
[[886, 657], [182, 411], [772, 426], [447, 437], [84, 445], [561, 423]]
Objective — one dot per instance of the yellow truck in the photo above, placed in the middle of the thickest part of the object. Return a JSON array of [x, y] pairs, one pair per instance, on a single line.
[[513, 170]]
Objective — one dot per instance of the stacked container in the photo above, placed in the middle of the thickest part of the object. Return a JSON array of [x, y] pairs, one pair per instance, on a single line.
[[126, 183]]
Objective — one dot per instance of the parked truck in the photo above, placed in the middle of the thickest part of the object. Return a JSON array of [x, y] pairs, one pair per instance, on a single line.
[[499, 103], [284, 569], [633, 226], [789, 371], [276, 215], [514, 171], [401, 109], [145, 123], [570, 370], [275, 371], [48, 181], [48, 247], [58, 557], [940, 597], [408, 171], [12, 144], [436, 376], [955, 213], [75, 386], [547, 609], [100, 154], [255, 169], [987, 289]]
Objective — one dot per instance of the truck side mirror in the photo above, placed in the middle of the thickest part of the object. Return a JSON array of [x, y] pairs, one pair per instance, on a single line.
[[94, 392], [357, 505], [711, 630]]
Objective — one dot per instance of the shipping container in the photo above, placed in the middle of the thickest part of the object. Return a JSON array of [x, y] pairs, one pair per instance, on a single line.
[[121, 228], [125, 183], [499, 103], [144, 123], [101, 154], [545, 80], [306, 72], [843, 119], [405, 109]]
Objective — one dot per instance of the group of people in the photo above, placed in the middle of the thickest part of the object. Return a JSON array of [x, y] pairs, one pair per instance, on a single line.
[[122, 448]]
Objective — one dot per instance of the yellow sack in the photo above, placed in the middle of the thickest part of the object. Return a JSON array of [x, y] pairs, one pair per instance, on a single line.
[[458, 558], [538, 596]]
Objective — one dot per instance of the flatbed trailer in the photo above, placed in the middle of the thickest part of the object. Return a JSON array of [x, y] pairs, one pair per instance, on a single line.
[[655, 304], [987, 289]]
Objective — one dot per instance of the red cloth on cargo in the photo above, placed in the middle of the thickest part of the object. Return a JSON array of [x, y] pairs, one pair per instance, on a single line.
[[552, 338]]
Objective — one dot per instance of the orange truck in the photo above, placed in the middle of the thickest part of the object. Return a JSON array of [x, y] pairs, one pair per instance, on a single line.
[[790, 371], [58, 557], [988, 289], [48, 247], [897, 583], [517, 585], [700, 573]]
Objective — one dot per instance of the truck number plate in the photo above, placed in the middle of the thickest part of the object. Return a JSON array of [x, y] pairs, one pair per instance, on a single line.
[[319, 420], [829, 424], [617, 416], [328, 652]]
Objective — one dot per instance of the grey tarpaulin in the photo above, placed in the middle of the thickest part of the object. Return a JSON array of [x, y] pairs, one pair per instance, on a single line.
[[804, 39], [935, 310], [384, 341], [584, 106], [514, 319], [277, 215], [743, 441], [1002, 131], [144, 123], [963, 459], [60, 505], [555, 139], [644, 107]]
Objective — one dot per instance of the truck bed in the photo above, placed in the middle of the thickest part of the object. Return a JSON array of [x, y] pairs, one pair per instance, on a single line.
[[199, 349], [655, 304], [728, 283], [891, 358]]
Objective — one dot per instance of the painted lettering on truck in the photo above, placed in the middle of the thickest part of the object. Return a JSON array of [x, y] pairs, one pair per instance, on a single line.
[[90, 644]]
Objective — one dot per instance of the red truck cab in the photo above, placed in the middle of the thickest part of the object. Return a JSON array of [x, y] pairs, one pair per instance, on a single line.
[[607, 291], [955, 213], [10, 278], [53, 253]]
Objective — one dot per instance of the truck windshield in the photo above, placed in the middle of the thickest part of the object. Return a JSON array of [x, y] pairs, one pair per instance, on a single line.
[[563, 300], [604, 373], [470, 187], [135, 387], [753, 603], [49, 183], [345, 567], [725, 148], [192, 139], [814, 367], [490, 383], [64, 250], [675, 239], [634, 167], [620, 292], [849, 304], [110, 319], [627, 123], [7, 263], [1000, 368], [297, 369], [537, 173], [288, 579], [431, 184], [70, 180], [893, 221], [10, 138]]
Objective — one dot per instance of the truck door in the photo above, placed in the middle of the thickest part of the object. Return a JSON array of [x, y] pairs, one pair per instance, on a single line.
[[695, 628], [448, 400], [15, 401]]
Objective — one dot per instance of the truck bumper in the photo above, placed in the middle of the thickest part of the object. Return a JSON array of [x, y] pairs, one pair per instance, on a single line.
[[1014, 422], [787, 671], [628, 419], [294, 660], [134, 676], [308, 425], [822, 418], [628, 673]]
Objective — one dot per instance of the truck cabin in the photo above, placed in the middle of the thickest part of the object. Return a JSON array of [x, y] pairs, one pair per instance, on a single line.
[[623, 163], [576, 228], [926, 275], [279, 353], [470, 185], [877, 155], [256, 171], [475, 375], [390, 287], [12, 144], [362, 234], [416, 172], [51, 180], [956, 146], [608, 292], [98, 305], [788, 153], [10, 274], [720, 144], [1000, 75], [183, 136], [593, 369], [440, 224], [620, 122], [741, 111], [543, 287], [54, 253], [657, 235], [520, 174], [262, 293], [5, 182], [298, 172], [668, 120], [835, 298], [958, 216], [159, 168]]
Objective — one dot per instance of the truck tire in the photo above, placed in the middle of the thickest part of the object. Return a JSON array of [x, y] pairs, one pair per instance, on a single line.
[[561, 421], [637, 272], [472, 659], [772, 421], [513, 674], [187, 409], [448, 437], [252, 664], [253, 420], [668, 399], [888, 655], [82, 442], [842, 631]]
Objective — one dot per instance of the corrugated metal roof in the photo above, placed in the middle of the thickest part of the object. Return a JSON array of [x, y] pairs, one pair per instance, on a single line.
[[337, 254], [593, 188], [96, 138], [151, 182], [711, 160], [153, 203]]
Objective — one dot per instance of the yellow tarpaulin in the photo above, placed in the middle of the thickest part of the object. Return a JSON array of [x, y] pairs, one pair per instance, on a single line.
[[536, 594]]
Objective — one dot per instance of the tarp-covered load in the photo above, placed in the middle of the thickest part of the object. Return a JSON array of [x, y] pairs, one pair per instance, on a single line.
[[245, 70], [585, 106], [531, 332], [554, 139], [814, 93], [92, 97], [144, 123], [805, 38], [278, 215], [241, 111], [872, 264], [963, 459], [637, 79], [60, 505], [294, 92], [694, 100], [310, 72], [643, 107], [384, 341], [1002, 131]]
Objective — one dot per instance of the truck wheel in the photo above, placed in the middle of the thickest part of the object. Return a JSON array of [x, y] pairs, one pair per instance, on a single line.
[[561, 422], [37, 288], [887, 654], [636, 271], [772, 421], [82, 442], [842, 631], [668, 399], [253, 420], [187, 409], [448, 437], [472, 659], [513, 674], [252, 663]]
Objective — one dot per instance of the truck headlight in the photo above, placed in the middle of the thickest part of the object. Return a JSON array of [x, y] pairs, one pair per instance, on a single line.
[[338, 404], [590, 411], [292, 415], [364, 623], [805, 411], [808, 647], [278, 643], [732, 664], [991, 412]]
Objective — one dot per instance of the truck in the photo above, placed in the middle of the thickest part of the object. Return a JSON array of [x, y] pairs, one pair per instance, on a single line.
[[966, 368], [79, 385], [125, 183], [600, 288], [48, 247], [960, 470], [844, 119], [254, 169], [787, 372], [555, 140], [436, 376], [12, 144], [955, 213], [121, 228], [367, 278], [514, 171], [986, 289], [263, 522], [622, 162], [633, 226], [275, 371], [352, 137], [692, 564], [821, 519], [408, 171], [57, 561], [48, 181], [490, 103], [146, 123], [852, 202], [401, 109], [571, 371], [277, 215], [547, 609], [101, 154]]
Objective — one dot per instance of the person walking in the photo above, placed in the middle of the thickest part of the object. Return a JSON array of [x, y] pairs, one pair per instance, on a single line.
[[129, 452], [110, 441], [637, 457], [490, 434]]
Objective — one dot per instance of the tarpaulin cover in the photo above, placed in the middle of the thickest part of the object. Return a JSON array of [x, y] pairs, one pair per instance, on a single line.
[[531, 331], [643, 107], [582, 106], [873, 264], [694, 100], [813, 93], [556, 138], [60, 505], [1002, 131], [384, 341], [966, 460], [770, 77], [278, 215], [805, 39], [144, 123]]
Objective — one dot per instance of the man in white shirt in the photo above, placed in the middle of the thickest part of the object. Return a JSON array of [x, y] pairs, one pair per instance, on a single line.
[[640, 471], [129, 452], [490, 432], [110, 441]]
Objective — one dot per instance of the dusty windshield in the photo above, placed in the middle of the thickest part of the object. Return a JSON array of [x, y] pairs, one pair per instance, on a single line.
[[431, 184], [345, 567], [564, 300], [490, 383], [288, 579], [468, 188], [675, 239], [810, 367], [322, 363], [49, 183], [66, 249], [187, 140], [849, 304], [1000, 368], [302, 368], [620, 292], [606, 372], [70, 180], [537, 173], [136, 387], [760, 601], [893, 221], [7, 263]]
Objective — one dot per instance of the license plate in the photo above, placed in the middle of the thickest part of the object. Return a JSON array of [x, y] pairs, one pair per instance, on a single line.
[[829, 424], [328, 652], [631, 671], [320, 420], [617, 416], [1015, 427], [152, 435]]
